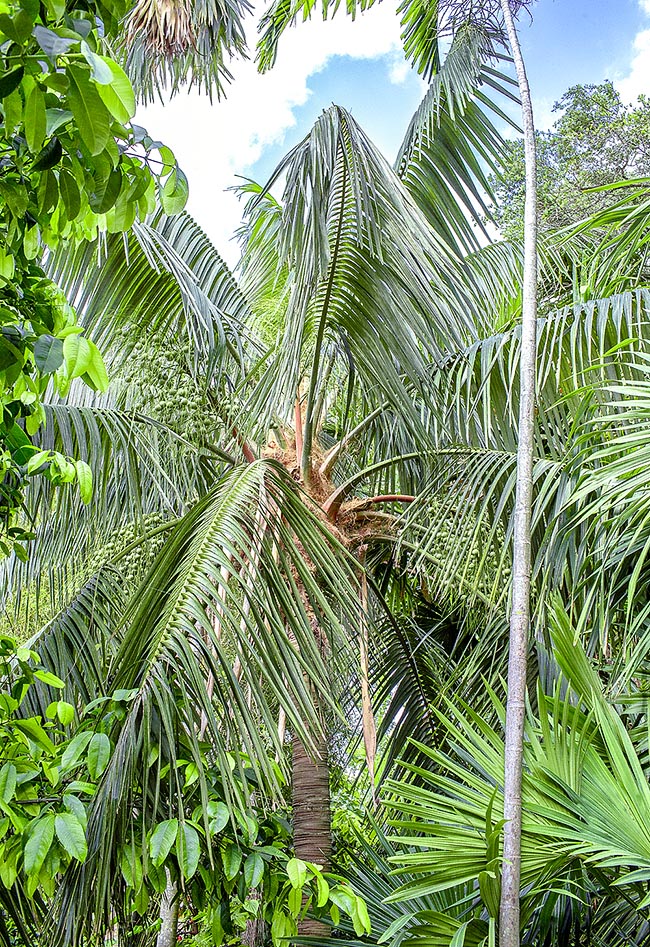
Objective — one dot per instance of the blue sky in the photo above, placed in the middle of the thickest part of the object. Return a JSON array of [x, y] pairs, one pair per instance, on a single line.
[[359, 65]]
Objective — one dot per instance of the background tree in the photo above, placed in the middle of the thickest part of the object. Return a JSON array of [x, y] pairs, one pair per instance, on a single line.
[[596, 140]]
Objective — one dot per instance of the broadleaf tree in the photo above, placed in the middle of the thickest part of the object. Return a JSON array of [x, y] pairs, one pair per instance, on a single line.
[[72, 165]]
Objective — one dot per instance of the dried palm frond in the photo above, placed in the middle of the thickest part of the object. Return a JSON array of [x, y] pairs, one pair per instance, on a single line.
[[164, 27]]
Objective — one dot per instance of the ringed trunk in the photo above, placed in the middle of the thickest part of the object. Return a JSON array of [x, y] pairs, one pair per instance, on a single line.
[[509, 913], [312, 820]]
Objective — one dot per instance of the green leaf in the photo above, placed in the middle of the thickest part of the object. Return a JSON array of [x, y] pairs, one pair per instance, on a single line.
[[8, 868], [297, 872], [35, 119], [75, 748], [458, 940], [7, 264], [89, 111], [69, 193], [174, 193], [106, 192], [32, 729], [118, 97], [50, 679], [12, 106], [75, 805], [96, 373], [40, 838], [323, 890], [85, 480], [49, 156], [161, 841], [99, 751], [56, 8], [131, 867], [7, 782], [31, 243], [99, 69], [167, 158], [219, 816], [344, 898], [9, 81], [56, 118], [78, 355], [188, 849], [364, 917], [16, 196], [70, 834], [19, 444], [232, 858], [65, 712], [253, 869], [294, 901], [16, 27]]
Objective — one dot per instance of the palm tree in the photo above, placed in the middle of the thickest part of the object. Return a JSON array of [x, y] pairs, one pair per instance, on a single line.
[[341, 264], [509, 922]]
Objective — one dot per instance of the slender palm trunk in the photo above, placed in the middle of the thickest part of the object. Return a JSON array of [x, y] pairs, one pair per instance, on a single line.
[[509, 915], [168, 933], [312, 832]]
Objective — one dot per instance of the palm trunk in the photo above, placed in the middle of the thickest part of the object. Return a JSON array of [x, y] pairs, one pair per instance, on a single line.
[[255, 934], [168, 933], [312, 815], [509, 914]]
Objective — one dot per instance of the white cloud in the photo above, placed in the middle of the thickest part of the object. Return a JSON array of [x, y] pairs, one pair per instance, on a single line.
[[214, 143], [638, 78]]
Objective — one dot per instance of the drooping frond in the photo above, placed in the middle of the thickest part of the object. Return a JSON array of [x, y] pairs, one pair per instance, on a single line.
[[80, 642], [423, 24], [164, 281], [354, 265], [174, 43], [140, 470], [452, 144], [231, 623], [458, 531]]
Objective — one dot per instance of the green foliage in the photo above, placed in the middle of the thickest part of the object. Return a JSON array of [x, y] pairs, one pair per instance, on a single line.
[[39, 344], [44, 780], [71, 166], [585, 810], [390, 333], [596, 140]]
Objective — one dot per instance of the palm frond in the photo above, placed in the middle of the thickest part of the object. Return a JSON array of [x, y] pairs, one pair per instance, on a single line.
[[80, 642], [235, 597], [140, 470], [353, 263], [164, 281], [170, 44], [452, 143], [578, 770]]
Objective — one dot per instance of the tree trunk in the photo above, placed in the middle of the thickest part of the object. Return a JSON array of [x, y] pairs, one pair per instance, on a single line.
[[312, 816], [168, 933], [256, 931], [509, 914]]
